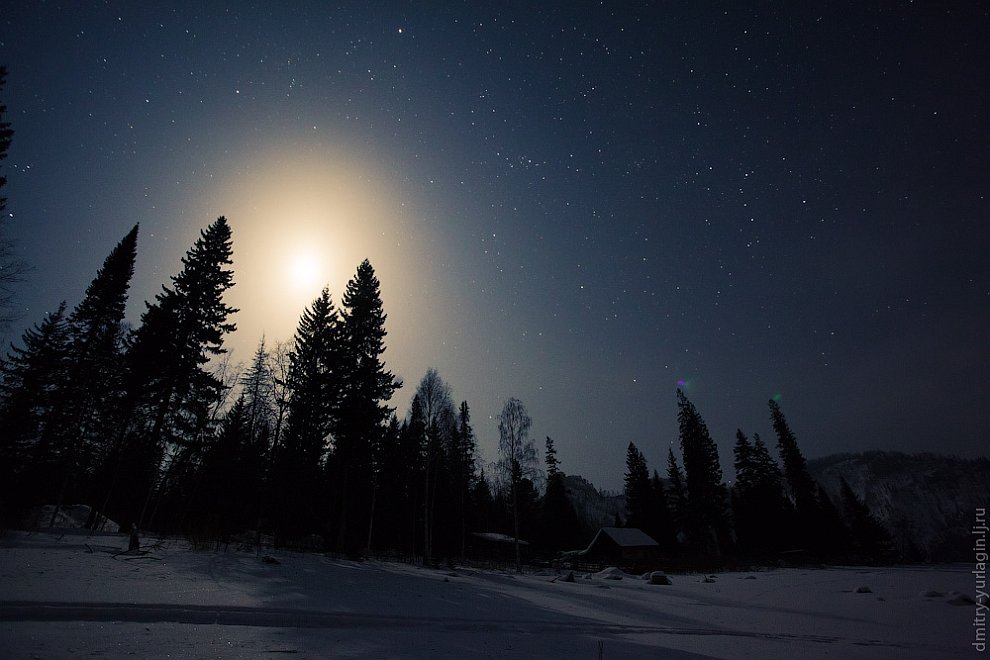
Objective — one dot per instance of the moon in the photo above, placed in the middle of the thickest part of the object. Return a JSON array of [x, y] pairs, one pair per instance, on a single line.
[[304, 271]]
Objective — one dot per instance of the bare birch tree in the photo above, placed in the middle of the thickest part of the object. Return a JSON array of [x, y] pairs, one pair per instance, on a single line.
[[517, 457]]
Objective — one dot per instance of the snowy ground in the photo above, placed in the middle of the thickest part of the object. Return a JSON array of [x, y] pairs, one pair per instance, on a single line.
[[69, 596]]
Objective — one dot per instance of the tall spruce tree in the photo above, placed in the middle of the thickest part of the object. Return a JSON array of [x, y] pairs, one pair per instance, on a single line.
[[660, 519], [462, 469], [765, 468], [808, 527], [802, 486], [560, 528], [315, 383], [171, 392], [414, 443], [257, 387], [29, 384], [637, 488], [759, 508], [363, 412], [89, 396], [703, 478], [550, 459], [777, 511], [678, 494], [743, 452], [258, 391]]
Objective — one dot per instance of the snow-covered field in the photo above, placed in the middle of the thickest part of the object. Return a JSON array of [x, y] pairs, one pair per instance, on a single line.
[[69, 596]]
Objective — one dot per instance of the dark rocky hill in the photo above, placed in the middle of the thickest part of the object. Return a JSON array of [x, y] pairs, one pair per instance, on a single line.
[[927, 502]]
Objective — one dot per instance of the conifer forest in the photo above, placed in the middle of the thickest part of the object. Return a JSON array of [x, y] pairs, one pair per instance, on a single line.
[[153, 427]]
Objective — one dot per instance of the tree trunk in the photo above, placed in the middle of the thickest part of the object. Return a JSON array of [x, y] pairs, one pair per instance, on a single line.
[[427, 546], [371, 518], [515, 524]]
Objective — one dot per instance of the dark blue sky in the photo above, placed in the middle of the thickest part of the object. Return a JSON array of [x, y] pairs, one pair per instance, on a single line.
[[580, 206]]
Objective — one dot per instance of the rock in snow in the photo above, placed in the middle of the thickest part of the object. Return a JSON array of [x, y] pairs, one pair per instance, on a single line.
[[659, 577], [611, 573]]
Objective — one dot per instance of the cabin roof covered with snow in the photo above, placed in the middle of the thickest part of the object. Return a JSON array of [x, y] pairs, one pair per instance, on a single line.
[[626, 537], [495, 537]]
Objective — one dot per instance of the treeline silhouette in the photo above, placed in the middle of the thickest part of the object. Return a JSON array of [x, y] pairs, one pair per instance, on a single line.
[[152, 426], [768, 513]]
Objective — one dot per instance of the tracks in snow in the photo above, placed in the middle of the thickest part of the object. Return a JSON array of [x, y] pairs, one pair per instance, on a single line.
[[294, 618]]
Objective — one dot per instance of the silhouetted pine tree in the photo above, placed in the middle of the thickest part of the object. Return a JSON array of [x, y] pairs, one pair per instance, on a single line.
[[660, 521], [483, 504], [257, 385], [560, 527], [315, 382], [759, 508], [414, 443], [89, 397], [550, 459], [637, 488], [29, 384], [363, 411], [678, 494], [745, 511], [799, 480], [803, 489], [170, 389], [743, 452], [765, 468], [258, 389], [462, 470], [707, 520], [769, 494]]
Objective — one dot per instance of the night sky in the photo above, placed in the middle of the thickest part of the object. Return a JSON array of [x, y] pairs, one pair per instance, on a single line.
[[583, 206]]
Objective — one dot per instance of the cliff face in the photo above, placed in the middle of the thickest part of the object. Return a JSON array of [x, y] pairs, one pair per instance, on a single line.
[[927, 502], [595, 509]]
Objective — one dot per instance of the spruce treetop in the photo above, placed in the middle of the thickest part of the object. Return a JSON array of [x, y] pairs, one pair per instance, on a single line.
[[102, 308]]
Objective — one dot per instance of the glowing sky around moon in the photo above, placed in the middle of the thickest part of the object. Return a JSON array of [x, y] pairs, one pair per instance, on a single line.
[[304, 218]]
